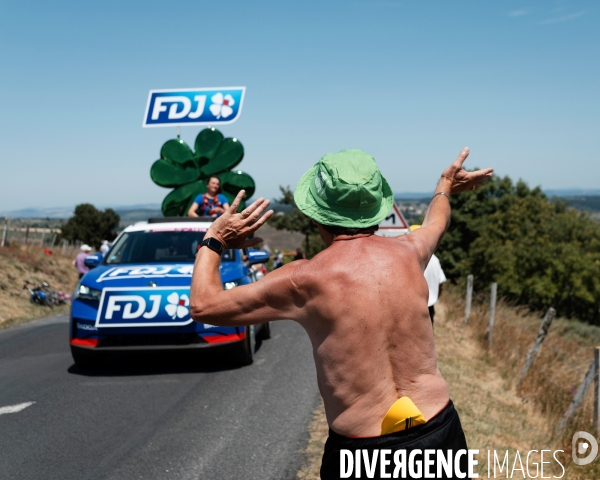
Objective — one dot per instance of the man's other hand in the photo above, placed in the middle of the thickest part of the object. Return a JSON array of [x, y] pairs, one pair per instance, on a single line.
[[460, 180], [232, 229]]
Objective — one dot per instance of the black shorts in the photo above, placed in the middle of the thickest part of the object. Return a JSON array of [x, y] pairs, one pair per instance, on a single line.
[[442, 432]]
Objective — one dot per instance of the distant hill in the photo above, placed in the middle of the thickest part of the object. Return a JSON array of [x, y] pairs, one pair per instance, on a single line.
[[66, 212], [581, 199], [573, 192], [414, 205], [133, 215], [412, 196], [54, 213], [590, 204], [128, 213]]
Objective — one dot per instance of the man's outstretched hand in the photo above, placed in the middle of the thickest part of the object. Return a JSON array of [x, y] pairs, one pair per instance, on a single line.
[[232, 229], [459, 180]]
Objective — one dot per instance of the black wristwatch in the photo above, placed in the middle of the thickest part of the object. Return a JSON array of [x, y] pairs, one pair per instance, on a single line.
[[213, 244]]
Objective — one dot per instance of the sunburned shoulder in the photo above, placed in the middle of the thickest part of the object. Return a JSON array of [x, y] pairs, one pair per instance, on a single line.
[[345, 257], [404, 243]]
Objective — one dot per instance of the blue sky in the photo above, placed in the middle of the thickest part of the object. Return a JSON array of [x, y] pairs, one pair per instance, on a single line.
[[409, 82]]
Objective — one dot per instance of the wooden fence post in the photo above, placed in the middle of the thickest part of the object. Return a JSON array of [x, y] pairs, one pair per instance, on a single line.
[[596, 391], [43, 236], [64, 249], [469, 297], [537, 343], [494, 292], [578, 399], [5, 233], [53, 241]]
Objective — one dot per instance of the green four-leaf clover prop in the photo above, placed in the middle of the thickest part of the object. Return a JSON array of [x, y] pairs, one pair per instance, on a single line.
[[187, 171]]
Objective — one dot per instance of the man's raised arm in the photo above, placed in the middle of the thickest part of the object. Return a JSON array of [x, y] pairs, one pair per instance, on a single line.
[[273, 298], [437, 218]]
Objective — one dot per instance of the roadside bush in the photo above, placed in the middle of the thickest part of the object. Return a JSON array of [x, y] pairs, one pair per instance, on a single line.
[[91, 225], [540, 252]]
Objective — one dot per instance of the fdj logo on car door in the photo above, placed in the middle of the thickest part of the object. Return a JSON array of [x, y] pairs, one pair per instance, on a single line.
[[144, 307]]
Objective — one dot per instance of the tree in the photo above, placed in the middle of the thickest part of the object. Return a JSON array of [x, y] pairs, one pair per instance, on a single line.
[[91, 225], [540, 252], [296, 221]]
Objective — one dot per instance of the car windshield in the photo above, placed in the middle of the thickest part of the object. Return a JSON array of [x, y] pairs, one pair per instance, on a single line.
[[159, 247]]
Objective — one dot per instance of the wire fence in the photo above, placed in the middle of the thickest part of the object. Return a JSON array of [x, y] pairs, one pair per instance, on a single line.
[[538, 370], [48, 239]]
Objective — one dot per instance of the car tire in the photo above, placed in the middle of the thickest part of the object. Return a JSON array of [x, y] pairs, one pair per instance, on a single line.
[[265, 331], [85, 360], [245, 352]]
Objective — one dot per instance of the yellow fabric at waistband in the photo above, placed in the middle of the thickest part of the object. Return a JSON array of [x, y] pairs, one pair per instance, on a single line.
[[402, 414]]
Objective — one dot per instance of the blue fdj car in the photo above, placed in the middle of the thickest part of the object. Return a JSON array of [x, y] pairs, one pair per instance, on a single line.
[[138, 296]]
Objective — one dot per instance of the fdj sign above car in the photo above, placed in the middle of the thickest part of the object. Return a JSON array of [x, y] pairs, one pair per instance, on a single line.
[[144, 307], [197, 106]]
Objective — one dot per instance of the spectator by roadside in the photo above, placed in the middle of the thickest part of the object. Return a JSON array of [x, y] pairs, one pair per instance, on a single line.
[[78, 261], [104, 247], [299, 254], [278, 261]]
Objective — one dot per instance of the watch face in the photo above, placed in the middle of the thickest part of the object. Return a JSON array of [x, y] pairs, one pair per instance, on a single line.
[[214, 244]]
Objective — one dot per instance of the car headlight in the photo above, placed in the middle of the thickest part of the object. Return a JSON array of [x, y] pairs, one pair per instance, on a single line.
[[87, 293], [230, 285]]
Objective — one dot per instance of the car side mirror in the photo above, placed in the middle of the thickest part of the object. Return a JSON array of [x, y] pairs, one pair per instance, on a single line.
[[257, 256], [92, 261]]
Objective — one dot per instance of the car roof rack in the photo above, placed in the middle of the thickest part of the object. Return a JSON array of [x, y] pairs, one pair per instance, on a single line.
[[181, 219]]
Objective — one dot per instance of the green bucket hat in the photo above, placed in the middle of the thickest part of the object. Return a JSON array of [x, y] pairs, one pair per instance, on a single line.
[[345, 189]]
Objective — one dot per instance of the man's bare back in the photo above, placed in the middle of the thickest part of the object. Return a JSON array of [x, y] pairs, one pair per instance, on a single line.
[[369, 325], [362, 301]]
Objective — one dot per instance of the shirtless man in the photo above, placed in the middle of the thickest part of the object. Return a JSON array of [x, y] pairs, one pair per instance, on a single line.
[[362, 301]]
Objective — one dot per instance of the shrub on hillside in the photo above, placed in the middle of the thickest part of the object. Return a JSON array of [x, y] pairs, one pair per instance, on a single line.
[[91, 225], [540, 252]]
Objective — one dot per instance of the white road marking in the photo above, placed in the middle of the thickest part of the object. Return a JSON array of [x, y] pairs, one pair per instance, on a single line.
[[15, 408]]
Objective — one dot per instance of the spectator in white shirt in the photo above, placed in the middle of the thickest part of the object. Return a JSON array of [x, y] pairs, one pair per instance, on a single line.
[[104, 247], [434, 275]]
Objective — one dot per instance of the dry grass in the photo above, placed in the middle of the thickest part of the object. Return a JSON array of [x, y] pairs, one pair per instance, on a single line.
[[318, 431], [481, 382], [493, 417], [20, 263], [547, 390]]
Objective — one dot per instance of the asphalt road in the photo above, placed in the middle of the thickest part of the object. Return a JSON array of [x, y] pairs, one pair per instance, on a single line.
[[158, 416]]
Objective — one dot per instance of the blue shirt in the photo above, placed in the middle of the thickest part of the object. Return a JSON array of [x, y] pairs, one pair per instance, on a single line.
[[206, 205]]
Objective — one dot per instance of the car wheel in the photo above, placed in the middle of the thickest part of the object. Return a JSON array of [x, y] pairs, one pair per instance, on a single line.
[[245, 353], [265, 331], [86, 360]]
